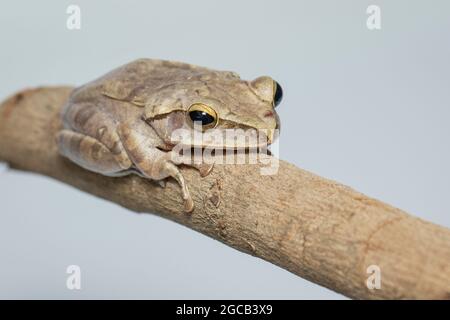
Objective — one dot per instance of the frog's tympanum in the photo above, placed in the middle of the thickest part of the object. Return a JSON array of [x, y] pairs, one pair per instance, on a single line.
[[122, 123]]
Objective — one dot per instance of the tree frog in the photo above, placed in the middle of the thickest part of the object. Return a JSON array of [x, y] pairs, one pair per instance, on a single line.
[[122, 122]]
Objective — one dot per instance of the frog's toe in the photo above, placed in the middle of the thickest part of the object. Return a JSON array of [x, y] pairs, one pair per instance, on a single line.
[[188, 205], [162, 183], [205, 169]]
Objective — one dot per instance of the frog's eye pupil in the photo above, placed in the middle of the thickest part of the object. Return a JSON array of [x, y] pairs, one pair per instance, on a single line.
[[206, 115], [278, 95], [201, 116]]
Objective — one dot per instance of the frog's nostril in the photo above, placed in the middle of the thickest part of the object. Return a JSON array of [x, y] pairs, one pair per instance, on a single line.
[[268, 114]]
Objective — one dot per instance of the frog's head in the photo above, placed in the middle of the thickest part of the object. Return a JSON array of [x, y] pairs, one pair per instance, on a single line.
[[219, 101]]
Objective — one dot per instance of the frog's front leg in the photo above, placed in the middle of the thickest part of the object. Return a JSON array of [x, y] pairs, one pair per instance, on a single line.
[[141, 145]]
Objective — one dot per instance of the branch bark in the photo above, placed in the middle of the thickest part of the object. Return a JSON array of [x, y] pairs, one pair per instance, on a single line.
[[316, 228]]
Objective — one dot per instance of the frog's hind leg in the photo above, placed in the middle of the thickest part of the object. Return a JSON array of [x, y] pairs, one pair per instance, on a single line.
[[90, 153], [91, 120]]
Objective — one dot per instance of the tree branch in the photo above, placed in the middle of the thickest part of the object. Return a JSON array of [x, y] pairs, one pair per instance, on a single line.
[[316, 228]]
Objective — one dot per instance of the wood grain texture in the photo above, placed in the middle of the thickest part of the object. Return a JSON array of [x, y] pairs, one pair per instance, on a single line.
[[316, 228]]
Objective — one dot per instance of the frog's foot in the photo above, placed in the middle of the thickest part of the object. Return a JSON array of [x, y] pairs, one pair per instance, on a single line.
[[172, 170], [203, 168], [161, 169], [164, 169]]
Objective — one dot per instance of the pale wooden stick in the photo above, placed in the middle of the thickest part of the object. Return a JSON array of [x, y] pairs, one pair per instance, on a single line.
[[316, 228]]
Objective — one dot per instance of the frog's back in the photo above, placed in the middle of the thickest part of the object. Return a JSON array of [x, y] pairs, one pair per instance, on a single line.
[[139, 78], [121, 93]]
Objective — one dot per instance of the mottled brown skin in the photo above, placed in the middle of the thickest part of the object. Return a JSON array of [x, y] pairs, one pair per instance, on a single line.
[[122, 122]]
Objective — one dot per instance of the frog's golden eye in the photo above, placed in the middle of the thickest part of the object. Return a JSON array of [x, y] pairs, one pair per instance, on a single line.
[[204, 114], [277, 94]]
